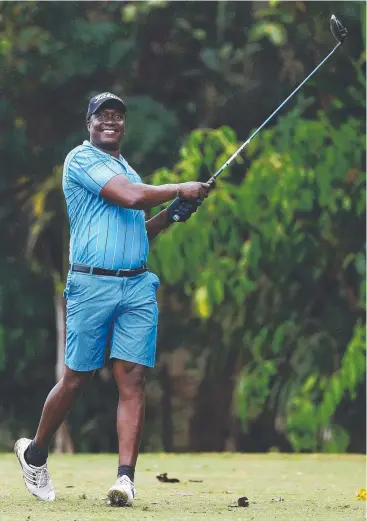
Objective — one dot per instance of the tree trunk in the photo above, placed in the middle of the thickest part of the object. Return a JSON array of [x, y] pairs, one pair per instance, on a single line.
[[63, 441]]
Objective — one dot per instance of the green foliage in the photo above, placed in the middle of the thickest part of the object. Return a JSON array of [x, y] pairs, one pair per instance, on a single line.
[[253, 391], [266, 251], [152, 127], [275, 32], [311, 411], [269, 275]]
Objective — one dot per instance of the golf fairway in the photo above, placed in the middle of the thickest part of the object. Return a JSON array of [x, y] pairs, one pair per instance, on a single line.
[[279, 487]]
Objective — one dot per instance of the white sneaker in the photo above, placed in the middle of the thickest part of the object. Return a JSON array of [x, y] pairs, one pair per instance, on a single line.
[[122, 493], [36, 479]]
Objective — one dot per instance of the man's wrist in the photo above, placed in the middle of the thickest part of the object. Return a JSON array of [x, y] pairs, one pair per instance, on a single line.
[[172, 207], [177, 188]]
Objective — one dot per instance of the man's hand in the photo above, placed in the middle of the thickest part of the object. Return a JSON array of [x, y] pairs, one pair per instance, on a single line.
[[184, 209], [193, 191]]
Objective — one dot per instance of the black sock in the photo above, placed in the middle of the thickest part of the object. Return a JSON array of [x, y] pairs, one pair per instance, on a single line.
[[35, 455], [126, 470]]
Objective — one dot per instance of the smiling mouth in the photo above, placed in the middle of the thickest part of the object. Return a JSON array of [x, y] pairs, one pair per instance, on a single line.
[[109, 132]]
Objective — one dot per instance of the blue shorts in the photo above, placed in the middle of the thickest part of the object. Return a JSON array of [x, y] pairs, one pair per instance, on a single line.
[[102, 310]]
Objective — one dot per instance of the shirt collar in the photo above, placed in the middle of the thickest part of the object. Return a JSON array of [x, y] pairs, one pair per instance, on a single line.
[[89, 144]]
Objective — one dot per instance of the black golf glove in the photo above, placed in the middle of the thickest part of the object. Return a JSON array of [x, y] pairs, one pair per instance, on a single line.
[[182, 209]]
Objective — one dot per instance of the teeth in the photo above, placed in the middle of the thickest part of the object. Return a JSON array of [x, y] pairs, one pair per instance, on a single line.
[[109, 132]]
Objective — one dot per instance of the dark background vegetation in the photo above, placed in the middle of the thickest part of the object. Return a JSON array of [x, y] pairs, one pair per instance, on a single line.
[[262, 321]]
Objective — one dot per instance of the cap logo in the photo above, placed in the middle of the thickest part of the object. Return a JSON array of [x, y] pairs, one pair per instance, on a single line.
[[104, 95]]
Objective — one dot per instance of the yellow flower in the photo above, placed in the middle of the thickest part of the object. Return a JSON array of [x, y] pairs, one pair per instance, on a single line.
[[361, 494]]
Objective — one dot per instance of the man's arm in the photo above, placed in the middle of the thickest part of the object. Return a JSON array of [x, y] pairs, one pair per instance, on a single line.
[[140, 196], [103, 178], [161, 221], [156, 224]]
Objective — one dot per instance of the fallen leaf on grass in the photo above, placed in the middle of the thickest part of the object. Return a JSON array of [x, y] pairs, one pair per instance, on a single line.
[[195, 480], [69, 486], [164, 479], [243, 501], [361, 494], [278, 498]]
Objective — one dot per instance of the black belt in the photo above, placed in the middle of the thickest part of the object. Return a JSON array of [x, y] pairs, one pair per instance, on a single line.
[[84, 268]]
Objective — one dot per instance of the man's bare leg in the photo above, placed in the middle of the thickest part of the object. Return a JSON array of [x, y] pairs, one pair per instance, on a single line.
[[130, 379], [56, 408], [32, 454]]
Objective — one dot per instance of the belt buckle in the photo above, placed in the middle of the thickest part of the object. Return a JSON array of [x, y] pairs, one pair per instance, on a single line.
[[121, 271], [76, 267]]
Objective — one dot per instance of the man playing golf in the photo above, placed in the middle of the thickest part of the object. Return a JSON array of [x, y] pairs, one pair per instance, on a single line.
[[111, 295]]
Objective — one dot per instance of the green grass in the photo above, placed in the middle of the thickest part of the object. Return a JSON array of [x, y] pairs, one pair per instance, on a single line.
[[314, 487]]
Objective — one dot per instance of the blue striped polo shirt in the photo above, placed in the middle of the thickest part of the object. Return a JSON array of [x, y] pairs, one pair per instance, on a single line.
[[102, 234]]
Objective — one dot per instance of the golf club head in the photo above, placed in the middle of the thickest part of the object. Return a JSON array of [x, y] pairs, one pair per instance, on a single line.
[[339, 31]]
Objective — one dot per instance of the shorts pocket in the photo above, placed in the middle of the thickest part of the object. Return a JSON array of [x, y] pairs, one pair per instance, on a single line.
[[155, 281], [76, 287], [67, 286]]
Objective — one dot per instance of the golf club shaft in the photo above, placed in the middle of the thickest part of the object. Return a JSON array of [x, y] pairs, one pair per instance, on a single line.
[[271, 115]]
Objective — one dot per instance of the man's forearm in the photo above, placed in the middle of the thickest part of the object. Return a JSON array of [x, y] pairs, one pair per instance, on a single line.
[[157, 223], [139, 196]]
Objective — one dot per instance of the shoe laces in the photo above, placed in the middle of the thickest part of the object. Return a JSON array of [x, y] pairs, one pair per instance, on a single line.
[[41, 476], [44, 477], [125, 480]]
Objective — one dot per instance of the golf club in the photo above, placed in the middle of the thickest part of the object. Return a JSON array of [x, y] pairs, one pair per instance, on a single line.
[[340, 33]]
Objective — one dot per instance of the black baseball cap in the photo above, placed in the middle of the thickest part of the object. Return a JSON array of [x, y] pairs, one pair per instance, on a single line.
[[97, 101]]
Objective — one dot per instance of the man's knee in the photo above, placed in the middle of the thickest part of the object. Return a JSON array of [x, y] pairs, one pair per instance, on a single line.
[[75, 380], [130, 378]]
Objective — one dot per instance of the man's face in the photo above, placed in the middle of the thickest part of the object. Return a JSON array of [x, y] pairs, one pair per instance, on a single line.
[[107, 127]]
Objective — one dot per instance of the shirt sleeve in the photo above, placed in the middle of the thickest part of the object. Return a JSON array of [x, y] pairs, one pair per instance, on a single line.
[[92, 171]]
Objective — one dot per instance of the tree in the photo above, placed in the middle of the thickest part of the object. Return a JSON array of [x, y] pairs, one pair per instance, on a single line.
[[275, 267], [215, 63]]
